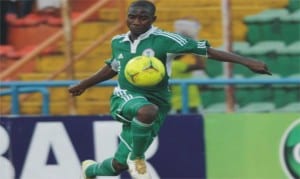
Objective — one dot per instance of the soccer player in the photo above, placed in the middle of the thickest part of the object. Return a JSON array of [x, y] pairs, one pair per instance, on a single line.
[[143, 110]]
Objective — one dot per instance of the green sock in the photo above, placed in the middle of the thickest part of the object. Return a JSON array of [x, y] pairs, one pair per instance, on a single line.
[[101, 169], [141, 134]]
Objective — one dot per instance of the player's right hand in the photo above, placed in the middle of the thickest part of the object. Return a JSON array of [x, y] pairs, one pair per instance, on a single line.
[[258, 67], [76, 90]]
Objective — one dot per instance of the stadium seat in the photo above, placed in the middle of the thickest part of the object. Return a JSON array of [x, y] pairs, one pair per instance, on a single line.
[[293, 5], [216, 108], [94, 29], [50, 63], [288, 61], [290, 26], [255, 93], [263, 48], [212, 95], [215, 68], [266, 51], [258, 107], [291, 107], [238, 46], [5, 50], [285, 94], [265, 25]]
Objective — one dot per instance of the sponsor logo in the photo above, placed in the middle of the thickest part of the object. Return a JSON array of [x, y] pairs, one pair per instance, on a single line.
[[290, 150], [53, 147]]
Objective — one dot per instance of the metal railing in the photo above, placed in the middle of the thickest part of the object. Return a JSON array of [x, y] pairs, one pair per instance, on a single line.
[[17, 87], [14, 92]]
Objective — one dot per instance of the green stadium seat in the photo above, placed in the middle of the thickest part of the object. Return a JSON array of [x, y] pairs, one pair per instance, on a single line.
[[290, 26], [265, 25], [258, 107], [288, 61], [253, 93], [266, 51], [215, 68], [215, 93], [293, 5], [286, 93], [295, 75], [264, 47], [212, 95], [237, 46], [217, 108], [291, 107]]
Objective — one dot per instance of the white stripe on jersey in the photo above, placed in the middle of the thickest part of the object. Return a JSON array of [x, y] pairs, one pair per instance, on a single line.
[[122, 93], [126, 96], [173, 36], [126, 144], [177, 38], [118, 36], [201, 44]]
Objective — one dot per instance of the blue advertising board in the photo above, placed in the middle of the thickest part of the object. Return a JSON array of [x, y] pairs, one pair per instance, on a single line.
[[53, 147]]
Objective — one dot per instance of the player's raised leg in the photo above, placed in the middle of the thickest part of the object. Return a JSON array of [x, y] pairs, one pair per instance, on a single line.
[[84, 165], [91, 169], [111, 166], [141, 131]]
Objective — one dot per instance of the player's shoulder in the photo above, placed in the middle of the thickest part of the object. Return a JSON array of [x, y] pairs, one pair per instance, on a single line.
[[159, 31], [170, 36], [119, 37]]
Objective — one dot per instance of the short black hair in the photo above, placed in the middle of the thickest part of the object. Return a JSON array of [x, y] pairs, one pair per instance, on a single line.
[[145, 4]]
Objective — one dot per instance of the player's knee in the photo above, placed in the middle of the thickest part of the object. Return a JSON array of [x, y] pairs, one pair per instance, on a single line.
[[118, 166], [147, 113]]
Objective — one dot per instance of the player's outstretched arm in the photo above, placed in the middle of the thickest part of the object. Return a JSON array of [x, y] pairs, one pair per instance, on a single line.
[[252, 64], [103, 74]]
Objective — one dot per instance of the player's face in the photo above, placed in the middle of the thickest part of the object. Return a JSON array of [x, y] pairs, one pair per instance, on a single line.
[[139, 20]]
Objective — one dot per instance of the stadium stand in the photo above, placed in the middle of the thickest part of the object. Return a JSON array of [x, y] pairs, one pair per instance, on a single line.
[[265, 25], [273, 24], [246, 35], [256, 98]]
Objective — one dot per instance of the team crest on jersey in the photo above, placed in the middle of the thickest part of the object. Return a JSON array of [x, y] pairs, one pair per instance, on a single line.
[[148, 52]]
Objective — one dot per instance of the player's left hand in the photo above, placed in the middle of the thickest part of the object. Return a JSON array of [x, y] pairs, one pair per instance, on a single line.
[[258, 67]]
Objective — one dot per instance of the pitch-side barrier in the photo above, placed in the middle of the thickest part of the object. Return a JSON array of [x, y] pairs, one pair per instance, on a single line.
[[17, 87]]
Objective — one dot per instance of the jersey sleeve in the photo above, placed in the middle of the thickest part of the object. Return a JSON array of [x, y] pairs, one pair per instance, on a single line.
[[112, 62], [109, 61], [179, 44]]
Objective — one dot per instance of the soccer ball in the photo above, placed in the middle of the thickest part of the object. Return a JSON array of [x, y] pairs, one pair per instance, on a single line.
[[144, 71]]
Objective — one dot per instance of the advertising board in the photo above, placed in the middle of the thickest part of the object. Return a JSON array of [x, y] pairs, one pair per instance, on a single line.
[[265, 145], [53, 147]]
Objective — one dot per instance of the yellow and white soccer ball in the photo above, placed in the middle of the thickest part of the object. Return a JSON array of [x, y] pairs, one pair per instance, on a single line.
[[144, 71]]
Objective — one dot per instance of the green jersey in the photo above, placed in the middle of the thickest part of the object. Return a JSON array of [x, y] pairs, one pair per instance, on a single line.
[[155, 42]]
